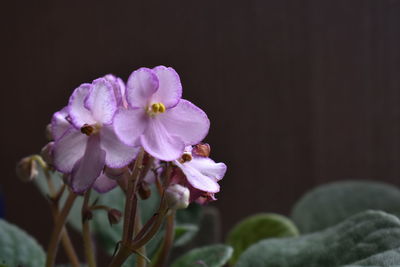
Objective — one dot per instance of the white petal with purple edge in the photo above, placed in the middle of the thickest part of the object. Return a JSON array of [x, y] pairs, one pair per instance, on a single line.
[[79, 114], [104, 184], [59, 123], [129, 124], [118, 154], [159, 143], [141, 85], [101, 101], [116, 83], [208, 167], [69, 149], [169, 87], [197, 179], [187, 122], [89, 167]]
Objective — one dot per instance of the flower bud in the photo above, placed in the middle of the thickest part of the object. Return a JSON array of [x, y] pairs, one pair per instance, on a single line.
[[202, 150], [48, 133], [144, 190], [177, 197], [27, 169], [47, 153], [114, 216], [115, 173]]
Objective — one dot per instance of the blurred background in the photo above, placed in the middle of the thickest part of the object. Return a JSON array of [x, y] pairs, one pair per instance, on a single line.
[[299, 93]]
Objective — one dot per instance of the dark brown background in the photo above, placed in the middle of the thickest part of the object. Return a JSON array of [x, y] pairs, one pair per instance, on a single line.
[[299, 93]]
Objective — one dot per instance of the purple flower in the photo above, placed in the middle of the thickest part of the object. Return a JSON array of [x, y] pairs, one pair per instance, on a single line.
[[157, 118], [85, 141], [200, 174]]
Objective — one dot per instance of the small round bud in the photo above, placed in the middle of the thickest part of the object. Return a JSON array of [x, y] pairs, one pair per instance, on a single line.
[[177, 197], [202, 150], [27, 169], [114, 216], [115, 173], [144, 190], [48, 133], [47, 153]]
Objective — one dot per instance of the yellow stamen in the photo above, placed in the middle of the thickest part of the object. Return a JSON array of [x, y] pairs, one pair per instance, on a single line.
[[157, 108]]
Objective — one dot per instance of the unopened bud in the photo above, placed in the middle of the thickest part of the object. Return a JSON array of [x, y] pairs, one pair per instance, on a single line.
[[27, 169], [47, 153], [115, 173], [48, 133], [177, 197], [202, 150], [114, 216], [144, 190]]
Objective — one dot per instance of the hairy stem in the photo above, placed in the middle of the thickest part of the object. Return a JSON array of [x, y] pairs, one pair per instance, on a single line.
[[131, 200], [87, 239], [58, 227], [140, 261], [65, 240], [162, 258]]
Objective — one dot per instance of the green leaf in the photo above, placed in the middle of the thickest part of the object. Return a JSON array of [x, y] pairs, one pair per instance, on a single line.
[[184, 233], [330, 204], [360, 238], [210, 256], [17, 248], [256, 228], [191, 215]]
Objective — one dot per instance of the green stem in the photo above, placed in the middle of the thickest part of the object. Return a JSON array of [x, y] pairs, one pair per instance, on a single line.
[[162, 258], [58, 227], [87, 239]]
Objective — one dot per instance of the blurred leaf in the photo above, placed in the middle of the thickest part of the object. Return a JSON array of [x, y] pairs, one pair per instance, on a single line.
[[190, 215], [184, 233], [358, 239], [256, 228], [211, 256], [17, 248], [330, 204]]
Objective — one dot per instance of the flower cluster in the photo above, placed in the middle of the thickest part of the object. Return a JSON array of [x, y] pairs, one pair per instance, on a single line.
[[106, 123]]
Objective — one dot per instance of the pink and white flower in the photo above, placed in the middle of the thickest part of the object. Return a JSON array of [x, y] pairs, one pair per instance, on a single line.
[[157, 118], [200, 174], [85, 141]]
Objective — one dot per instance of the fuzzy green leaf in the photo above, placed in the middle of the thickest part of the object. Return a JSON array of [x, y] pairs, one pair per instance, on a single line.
[[359, 239], [256, 228], [210, 256], [184, 233], [17, 248], [330, 204]]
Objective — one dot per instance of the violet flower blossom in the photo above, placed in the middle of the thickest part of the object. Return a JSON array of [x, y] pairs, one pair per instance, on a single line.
[[157, 118], [85, 141], [200, 174]]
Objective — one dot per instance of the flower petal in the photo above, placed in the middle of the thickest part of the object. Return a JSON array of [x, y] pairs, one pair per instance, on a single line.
[[69, 149], [187, 122], [118, 87], [129, 125], [141, 85], [79, 114], [169, 87], [59, 123], [208, 167], [101, 101], [159, 143], [89, 167], [104, 184], [117, 153], [197, 179]]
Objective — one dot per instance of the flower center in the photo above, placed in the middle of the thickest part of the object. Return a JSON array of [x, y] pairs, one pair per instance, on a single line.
[[156, 108], [90, 129], [187, 156]]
